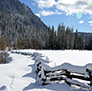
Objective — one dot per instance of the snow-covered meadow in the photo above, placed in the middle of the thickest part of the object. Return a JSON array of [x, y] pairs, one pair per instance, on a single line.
[[18, 74]]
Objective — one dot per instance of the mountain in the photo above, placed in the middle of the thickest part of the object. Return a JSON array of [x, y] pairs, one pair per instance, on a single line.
[[22, 13], [85, 34], [17, 21]]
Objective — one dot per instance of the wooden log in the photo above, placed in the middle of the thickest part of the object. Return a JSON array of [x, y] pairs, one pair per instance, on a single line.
[[90, 75], [63, 70], [43, 79], [68, 82], [37, 70], [57, 75], [72, 76], [38, 63], [43, 84], [68, 74], [76, 84], [90, 80], [40, 76], [78, 77], [56, 79]]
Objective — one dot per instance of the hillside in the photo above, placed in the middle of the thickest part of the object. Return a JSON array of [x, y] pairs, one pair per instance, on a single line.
[[85, 34], [20, 13], [17, 19]]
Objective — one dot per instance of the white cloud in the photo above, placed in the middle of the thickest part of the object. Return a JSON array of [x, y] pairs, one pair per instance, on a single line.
[[33, 4], [81, 22], [45, 3], [37, 15], [57, 12], [90, 23], [68, 6], [46, 13], [74, 6]]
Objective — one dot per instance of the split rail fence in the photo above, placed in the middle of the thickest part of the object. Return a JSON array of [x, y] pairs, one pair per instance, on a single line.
[[46, 75]]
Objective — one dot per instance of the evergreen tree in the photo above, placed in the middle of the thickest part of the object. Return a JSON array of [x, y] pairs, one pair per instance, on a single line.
[[81, 42], [87, 42], [51, 37], [59, 36], [76, 42], [72, 39], [63, 35], [19, 43], [68, 38], [55, 40], [47, 38]]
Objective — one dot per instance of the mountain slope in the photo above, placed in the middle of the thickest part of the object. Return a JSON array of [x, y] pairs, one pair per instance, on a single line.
[[14, 8], [19, 23], [85, 34]]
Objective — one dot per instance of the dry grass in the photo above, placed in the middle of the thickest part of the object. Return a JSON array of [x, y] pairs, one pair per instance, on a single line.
[[3, 57]]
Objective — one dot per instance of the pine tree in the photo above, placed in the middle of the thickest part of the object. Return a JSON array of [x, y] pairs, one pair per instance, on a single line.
[[72, 39], [19, 43], [55, 40], [81, 42], [59, 36], [87, 42], [47, 39], [68, 38], [76, 42], [51, 37], [63, 35]]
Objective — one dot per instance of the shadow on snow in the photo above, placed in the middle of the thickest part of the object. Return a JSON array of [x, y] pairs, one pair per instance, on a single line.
[[9, 59], [54, 87], [32, 73]]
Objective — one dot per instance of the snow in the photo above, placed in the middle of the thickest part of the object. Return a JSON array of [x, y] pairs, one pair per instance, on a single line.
[[74, 57], [18, 74]]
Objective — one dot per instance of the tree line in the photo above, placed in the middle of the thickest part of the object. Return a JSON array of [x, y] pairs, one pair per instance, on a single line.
[[62, 38], [66, 38]]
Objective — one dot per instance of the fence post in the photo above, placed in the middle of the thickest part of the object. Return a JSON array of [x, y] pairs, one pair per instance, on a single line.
[[68, 74], [43, 76], [90, 75], [91, 80]]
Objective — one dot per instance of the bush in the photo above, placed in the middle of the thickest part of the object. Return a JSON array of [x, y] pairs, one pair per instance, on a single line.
[[3, 57], [3, 52]]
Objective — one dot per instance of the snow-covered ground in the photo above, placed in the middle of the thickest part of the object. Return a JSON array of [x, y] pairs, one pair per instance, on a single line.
[[19, 73], [74, 57]]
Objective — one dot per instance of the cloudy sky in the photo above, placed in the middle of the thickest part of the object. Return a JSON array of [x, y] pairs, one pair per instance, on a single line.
[[74, 13]]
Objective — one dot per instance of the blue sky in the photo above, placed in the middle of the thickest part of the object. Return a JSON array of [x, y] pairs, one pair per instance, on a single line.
[[73, 13]]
